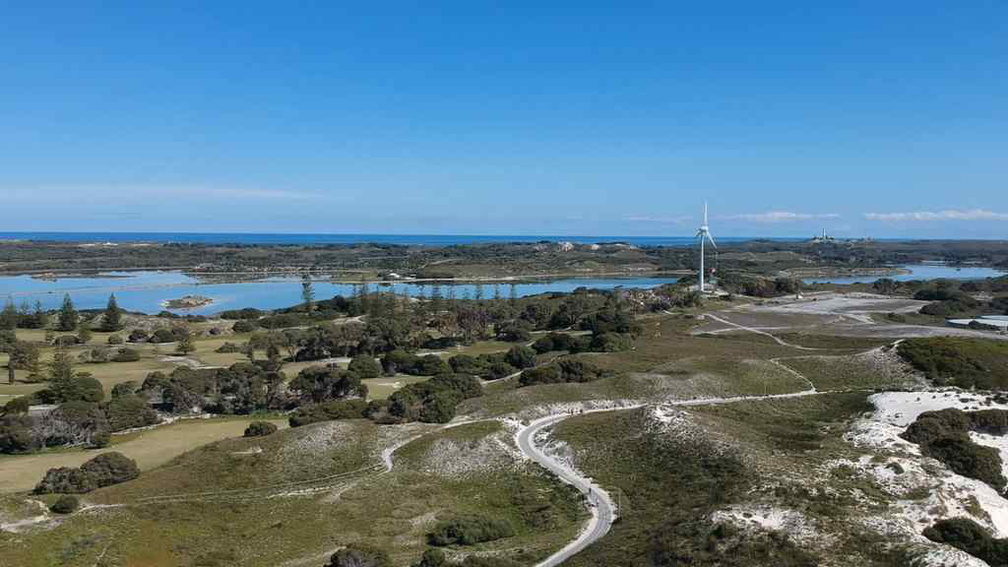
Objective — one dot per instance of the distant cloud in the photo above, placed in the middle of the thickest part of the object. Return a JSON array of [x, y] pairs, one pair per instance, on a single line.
[[88, 192], [779, 216], [662, 220], [929, 216]]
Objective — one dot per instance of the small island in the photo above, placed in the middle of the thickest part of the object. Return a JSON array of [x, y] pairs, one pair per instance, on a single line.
[[187, 302]]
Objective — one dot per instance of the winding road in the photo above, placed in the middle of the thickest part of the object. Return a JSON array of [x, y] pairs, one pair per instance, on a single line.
[[603, 512]]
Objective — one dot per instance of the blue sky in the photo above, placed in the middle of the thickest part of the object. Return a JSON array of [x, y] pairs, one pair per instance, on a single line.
[[887, 119]]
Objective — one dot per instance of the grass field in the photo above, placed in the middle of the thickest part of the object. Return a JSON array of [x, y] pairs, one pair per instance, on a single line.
[[267, 521], [150, 449], [669, 481]]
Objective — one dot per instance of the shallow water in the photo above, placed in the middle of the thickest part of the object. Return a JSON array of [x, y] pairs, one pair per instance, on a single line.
[[146, 290], [920, 272]]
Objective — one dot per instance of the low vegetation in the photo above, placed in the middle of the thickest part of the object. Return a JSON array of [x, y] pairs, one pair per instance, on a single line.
[[104, 470], [944, 435], [469, 530], [959, 361], [967, 535]]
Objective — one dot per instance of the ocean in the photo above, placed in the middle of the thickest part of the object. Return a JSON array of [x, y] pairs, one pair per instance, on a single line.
[[402, 239]]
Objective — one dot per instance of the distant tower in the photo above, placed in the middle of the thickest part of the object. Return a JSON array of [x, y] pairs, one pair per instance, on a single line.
[[704, 234]]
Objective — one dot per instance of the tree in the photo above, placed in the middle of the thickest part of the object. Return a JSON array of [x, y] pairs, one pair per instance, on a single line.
[[365, 366], [112, 318], [25, 356], [9, 315], [185, 341], [67, 315], [308, 293], [61, 367], [84, 334]]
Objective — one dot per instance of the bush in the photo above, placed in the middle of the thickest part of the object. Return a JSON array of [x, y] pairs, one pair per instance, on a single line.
[[967, 458], [967, 535], [138, 336], [125, 354], [228, 348], [356, 555], [127, 411], [16, 434], [244, 326], [66, 480], [515, 331], [521, 357], [563, 370], [561, 341], [365, 366], [610, 342], [163, 335], [398, 361], [328, 411], [115, 339], [126, 388], [959, 361], [111, 468], [469, 530], [260, 429], [65, 504], [944, 435]]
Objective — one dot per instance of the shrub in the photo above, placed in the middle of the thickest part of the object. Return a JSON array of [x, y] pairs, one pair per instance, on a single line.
[[430, 365], [564, 370], [959, 361], [65, 480], [260, 429], [127, 411], [356, 555], [64, 504], [610, 342], [138, 336], [967, 458], [469, 530], [515, 331], [328, 411], [967, 535], [16, 434], [432, 558], [365, 366], [244, 326], [110, 468], [521, 357], [228, 348], [398, 361], [126, 388], [115, 339], [162, 336], [125, 354], [466, 364]]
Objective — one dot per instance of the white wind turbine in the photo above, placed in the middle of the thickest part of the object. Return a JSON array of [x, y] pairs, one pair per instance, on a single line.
[[704, 234]]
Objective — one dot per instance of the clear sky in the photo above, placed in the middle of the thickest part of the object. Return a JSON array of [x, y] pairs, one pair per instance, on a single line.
[[599, 118]]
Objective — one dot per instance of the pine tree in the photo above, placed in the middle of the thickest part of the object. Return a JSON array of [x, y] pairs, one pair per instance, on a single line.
[[112, 319], [308, 293], [67, 315], [9, 315]]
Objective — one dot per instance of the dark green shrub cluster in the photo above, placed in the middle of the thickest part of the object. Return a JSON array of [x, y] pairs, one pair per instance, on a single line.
[[599, 342], [364, 367], [357, 555], [241, 388], [319, 384], [104, 470], [260, 429], [400, 361], [328, 411], [127, 411], [959, 361], [944, 435], [228, 348], [124, 354], [563, 370], [496, 365], [469, 530], [967, 535], [65, 504], [433, 401], [244, 326]]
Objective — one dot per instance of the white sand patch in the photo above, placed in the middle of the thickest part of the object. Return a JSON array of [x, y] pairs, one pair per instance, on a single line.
[[947, 556], [906, 473], [902, 408], [760, 517]]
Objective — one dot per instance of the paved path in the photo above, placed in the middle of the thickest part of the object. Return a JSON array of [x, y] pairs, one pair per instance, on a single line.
[[602, 509]]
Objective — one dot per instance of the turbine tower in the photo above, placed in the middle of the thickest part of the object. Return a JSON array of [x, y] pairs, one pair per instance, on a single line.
[[704, 234]]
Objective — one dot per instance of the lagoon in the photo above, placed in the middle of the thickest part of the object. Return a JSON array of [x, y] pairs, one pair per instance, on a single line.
[[145, 291]]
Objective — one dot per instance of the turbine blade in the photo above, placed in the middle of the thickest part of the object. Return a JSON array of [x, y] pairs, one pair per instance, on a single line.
[[711, 239]]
